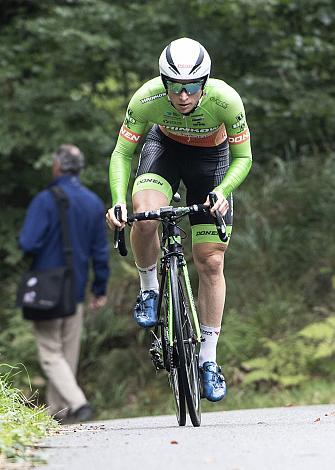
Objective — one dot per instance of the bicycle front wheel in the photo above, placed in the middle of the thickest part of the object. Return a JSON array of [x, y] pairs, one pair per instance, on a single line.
[[185, 338], [170, 359], [178, 394]]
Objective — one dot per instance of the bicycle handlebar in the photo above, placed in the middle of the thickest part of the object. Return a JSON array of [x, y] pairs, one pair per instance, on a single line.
[[167, 212], [171, 213]]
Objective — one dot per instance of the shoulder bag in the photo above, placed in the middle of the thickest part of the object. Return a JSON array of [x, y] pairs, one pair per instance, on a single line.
[[49, 294]]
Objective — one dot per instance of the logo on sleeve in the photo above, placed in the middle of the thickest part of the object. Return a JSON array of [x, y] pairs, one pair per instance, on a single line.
[[129, 135], [240, 123], [129, 120], [219, 102], [152, 98], [239, 138]]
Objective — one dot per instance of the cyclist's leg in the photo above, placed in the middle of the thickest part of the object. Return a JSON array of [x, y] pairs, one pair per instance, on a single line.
[[208, 168], [208, 255], [209, 262], [144, 236], [157, 179]]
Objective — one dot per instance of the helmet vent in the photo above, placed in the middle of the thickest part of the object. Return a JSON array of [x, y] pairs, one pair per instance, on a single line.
[[170, 61], [199, 61]]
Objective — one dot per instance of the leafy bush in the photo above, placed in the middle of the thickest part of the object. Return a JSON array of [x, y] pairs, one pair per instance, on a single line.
[[294, 359]]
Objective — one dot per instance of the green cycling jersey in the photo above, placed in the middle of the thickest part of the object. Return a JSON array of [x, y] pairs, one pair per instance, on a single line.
[[219, 116]]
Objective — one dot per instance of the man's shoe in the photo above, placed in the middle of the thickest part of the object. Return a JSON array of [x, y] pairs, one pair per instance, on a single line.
[[212, 381], [145, 312], [84, 413]]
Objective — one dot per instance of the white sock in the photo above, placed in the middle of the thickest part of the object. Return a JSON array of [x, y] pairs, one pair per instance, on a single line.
[[210, 335], [148, 278]]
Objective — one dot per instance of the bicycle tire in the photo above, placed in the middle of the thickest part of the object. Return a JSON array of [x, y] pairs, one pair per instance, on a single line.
[[188, 360], [178, 394], [171, 365]]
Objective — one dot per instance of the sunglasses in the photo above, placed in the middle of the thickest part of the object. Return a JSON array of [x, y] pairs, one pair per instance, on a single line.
[[190, 88]]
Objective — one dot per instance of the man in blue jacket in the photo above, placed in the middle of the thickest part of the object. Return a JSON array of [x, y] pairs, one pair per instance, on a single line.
[[58, 340]]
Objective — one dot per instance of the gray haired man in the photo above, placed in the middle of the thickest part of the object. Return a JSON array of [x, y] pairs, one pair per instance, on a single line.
[[58, 340]]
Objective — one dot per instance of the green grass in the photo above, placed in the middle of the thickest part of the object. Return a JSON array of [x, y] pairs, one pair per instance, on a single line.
[[22, 424]]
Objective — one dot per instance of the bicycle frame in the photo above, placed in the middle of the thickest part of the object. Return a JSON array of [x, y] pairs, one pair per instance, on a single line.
[[171, 246]]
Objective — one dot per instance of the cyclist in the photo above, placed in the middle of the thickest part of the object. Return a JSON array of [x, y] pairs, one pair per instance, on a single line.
[[196, 119]]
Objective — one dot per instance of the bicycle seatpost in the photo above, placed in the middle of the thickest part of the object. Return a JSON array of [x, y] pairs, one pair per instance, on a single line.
[[219, 222]]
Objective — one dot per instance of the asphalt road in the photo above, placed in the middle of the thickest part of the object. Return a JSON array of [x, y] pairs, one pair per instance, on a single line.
[[292, 438]]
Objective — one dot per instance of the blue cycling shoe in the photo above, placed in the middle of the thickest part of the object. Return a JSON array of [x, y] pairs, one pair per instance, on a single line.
[[145, 311], [213, 382]]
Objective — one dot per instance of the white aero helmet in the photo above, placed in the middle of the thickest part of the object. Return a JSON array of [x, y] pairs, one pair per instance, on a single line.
[[184, 59]]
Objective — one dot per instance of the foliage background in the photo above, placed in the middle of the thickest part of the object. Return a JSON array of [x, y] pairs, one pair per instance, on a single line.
[[68, 69]]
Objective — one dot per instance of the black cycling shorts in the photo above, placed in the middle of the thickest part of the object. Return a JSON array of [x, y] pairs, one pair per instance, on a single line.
[[200, 168]]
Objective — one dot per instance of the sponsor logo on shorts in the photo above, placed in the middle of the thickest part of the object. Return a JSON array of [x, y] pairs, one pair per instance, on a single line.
[[239, 138], [200, 233], [152, 98], [149, 180], [129, 135]]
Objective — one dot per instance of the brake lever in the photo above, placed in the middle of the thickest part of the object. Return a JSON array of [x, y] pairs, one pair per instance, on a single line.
[[119, 238], [219, 221]]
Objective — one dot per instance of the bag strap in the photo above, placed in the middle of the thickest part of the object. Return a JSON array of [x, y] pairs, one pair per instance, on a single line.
[[63, 204]]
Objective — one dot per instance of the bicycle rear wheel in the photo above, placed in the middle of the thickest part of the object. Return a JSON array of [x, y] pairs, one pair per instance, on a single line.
[[188, 359]]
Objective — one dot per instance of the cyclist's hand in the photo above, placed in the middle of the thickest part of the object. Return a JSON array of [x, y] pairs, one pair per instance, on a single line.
[[112, 221], [221, 204]]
